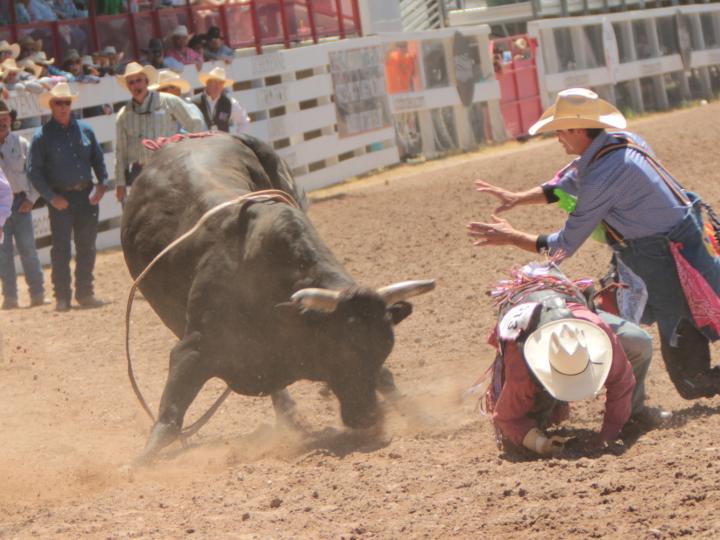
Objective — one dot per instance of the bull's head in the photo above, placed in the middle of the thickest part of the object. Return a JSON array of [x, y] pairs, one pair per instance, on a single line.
[[357, 332]]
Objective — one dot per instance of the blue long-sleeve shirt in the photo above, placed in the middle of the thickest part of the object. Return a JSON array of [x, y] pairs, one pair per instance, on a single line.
[[62, 156], [621, 188]]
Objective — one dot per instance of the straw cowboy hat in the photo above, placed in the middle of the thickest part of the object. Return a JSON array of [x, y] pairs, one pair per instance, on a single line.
[[41, 58], [59, 91], [13, 48], [133, 68], [570, 357], [27, 42], [217, 74], [578, 108], [180, 31], [31, 67], [167, 77]]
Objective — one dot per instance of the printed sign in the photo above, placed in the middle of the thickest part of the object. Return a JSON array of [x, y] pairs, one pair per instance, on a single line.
[[464, 69], [361, 102]]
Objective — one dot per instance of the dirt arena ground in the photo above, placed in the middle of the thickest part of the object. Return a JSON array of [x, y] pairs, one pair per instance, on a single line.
[[69, 421]]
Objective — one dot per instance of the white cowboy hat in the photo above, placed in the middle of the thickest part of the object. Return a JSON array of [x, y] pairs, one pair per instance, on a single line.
[[577, 108], [13, 48], [570, 357], [87, 60], [28, 65], [41, 58], [9, 65], [217, 74], [59, 91], [180, 31], [133, 68], [167, 77]]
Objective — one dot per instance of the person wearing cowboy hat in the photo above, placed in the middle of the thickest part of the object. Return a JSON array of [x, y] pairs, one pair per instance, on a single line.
[[148, 115], [644, 214], [170, 82], [14, 76], [179, 49], [18, 227], [155, 56], [553, 349], [63, 155], [8, 50], [72, 64], [215, 48], [221, 111]]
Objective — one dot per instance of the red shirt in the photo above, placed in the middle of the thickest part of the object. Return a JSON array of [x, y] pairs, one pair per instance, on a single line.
[[399, 70], [517, 396]]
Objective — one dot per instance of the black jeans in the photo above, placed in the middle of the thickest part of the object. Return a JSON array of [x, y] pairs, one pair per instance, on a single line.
[[79, 220]]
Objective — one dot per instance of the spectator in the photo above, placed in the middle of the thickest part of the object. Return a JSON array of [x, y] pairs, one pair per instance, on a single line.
[[89, 67], [155, 57], [149, 114], [109, 61], [13, 155], [109, 7], [197, 43], [29, 46], [72, 63], [11, 78], [6, 197], [215, 49], [39, 10], [66, 9], [8, 51], [63, 155], [179, 49], [221, 111], [170, 82]]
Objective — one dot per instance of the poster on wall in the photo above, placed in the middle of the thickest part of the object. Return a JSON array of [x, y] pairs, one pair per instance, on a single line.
[[464, 69], [361, 102], [436, 72], [401, 67]]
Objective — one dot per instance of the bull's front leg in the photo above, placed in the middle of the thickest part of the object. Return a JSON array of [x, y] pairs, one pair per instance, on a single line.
[[186, 377], [286, 411]]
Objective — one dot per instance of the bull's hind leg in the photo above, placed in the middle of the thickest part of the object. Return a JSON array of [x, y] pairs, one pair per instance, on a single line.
[[186, 376]]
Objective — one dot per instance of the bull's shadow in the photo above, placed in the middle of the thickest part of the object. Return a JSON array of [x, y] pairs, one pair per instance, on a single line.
[[631, 433]]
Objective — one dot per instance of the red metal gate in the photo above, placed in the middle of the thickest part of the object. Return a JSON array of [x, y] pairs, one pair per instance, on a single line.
[[515, 70]]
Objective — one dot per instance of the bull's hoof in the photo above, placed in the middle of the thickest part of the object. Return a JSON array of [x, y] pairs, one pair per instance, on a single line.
[[162, 435]]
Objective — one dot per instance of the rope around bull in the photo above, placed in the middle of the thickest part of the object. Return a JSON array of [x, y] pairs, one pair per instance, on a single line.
[[255, 196]]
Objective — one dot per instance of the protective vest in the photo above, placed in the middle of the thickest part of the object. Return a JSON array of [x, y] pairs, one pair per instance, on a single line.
[[223, 111]]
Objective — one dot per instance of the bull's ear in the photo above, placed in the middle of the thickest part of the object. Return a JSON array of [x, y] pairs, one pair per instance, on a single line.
[[400, 311]]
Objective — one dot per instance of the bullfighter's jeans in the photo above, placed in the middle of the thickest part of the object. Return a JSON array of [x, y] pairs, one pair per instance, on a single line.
[[19, 227], [80, 220], [637, 345]]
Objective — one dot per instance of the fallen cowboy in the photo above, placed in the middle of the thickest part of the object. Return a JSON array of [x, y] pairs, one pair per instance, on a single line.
[[553, 349]]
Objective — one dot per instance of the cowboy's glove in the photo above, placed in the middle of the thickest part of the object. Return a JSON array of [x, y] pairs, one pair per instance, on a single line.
[[536, 441]]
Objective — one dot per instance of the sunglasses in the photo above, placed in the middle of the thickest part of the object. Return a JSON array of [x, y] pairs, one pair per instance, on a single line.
[[62, 102]]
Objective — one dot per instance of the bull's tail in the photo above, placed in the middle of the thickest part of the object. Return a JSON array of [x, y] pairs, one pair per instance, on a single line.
[[276, 169]]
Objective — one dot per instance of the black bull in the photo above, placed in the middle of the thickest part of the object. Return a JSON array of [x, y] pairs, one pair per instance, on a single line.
[[254, 296]]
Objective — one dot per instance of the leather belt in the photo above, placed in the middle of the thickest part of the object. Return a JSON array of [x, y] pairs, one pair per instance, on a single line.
[[80, 186]]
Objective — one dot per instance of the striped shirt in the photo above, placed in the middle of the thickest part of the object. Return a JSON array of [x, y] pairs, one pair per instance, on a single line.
[[621, 188], [160, 115]]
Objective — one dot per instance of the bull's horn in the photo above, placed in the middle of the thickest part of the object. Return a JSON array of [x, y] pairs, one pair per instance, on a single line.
[[397, 292], [322, 299]]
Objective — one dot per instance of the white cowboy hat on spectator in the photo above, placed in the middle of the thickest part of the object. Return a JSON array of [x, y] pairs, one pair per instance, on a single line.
[[9, 65], [41, 58], [577, 108], [110, 50], [167, 77], [180, 31], [13, 48], [59, 91], [28, 65], [87, 60], [133, 68], [27, 42], [217, 74], [570, 357]]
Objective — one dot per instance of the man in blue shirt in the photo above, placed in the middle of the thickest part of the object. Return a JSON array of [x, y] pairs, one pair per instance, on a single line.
[[63, 155], [654, 227]]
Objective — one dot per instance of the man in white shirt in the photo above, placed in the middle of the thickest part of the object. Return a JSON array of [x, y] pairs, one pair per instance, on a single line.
[[221, 111], [18, 226]]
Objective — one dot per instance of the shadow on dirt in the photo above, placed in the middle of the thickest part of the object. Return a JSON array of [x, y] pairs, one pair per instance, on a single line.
[[579, 441]]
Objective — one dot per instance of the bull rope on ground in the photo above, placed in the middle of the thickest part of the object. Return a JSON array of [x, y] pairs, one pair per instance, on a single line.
[[255, 196]]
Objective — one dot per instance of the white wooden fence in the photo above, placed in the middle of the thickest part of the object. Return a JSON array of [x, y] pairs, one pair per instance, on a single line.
[[324, 108]]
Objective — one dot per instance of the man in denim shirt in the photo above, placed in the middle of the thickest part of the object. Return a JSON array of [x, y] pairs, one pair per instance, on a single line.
[[63, 155], [654, 227], [19, 226]]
